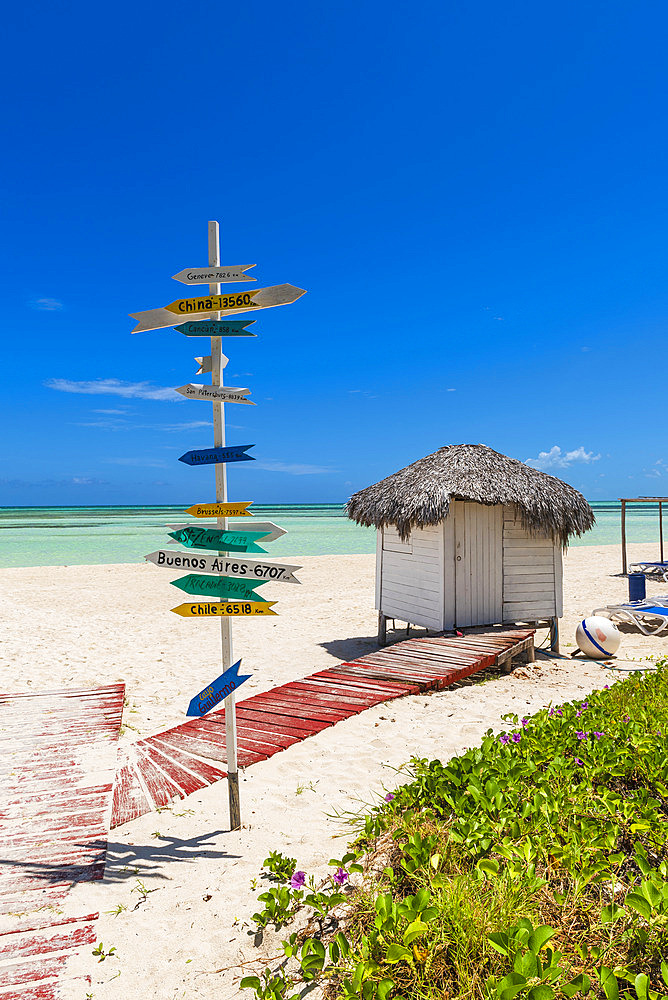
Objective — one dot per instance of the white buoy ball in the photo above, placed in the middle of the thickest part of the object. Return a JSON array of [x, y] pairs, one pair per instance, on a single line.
[[597, 637]]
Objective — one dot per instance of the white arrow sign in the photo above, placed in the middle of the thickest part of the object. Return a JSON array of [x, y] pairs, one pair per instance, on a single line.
[[271, 530], [205, 364], [248, 569], [215, 393], [210, 275], [208, 306]]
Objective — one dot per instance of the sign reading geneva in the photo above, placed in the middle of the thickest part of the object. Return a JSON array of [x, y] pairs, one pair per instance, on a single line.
[[217, 691], [209, 275]]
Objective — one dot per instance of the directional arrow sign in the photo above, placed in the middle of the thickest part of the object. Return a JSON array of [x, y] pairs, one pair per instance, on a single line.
[[208, 306], [217, 691], [226, 587], [210, 275], [220, 509], [224, 610], [247, 569], [211, 456], [205, 365], [269, 531], [215, 393], [218, 540], [217, 328]]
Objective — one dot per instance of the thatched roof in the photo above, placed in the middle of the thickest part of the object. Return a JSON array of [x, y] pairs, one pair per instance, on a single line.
[[421, 493]]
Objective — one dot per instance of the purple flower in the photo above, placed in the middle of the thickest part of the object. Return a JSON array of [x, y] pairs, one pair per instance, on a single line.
[[606, 687], [516, 737], [578, 714], [581, 735], [389, 797], [597, 735], [559, 712], [578, 761], [504, 738], [340, 876], [525, 722], [585, 704], [626, 719], [298, 880]]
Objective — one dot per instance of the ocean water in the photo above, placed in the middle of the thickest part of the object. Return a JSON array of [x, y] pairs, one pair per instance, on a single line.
[[71, 536]]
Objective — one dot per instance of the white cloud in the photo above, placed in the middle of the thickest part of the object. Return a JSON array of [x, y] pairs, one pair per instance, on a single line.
[[555, 458], [122, 413], [127, 425], [113, 387], [47, 305], [292, 468]]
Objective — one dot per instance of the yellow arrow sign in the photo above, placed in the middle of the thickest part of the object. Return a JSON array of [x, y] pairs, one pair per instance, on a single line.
[[208, 306], [224, 609], [220, 509]]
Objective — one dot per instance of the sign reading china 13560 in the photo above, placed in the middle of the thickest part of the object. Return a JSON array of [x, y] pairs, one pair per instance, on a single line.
[[212, 305]]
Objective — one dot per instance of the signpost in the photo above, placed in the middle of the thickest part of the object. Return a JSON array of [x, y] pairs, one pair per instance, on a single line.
[[269, 531], [246, 569], [222, 687], [214, 538], [220, 509], [225, 587], [217, 328], [215, 393], [234, 578], [226, 609], [205, 275], [215, 305], [215, 456]]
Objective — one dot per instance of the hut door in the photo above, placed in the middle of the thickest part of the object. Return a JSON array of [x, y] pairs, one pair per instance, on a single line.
[[478, 551]]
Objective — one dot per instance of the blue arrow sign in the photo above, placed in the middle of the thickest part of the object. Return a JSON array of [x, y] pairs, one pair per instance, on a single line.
[[211, 456], [217, 691], [217, 328]]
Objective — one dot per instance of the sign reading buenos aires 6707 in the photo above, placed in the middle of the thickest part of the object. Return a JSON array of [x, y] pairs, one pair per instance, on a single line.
[[227, 565]]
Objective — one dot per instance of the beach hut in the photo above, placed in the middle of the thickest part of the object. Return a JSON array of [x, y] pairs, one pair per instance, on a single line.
[[467, 536]]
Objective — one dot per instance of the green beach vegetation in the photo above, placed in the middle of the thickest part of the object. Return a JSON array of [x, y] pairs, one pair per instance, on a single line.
[[532, 867]]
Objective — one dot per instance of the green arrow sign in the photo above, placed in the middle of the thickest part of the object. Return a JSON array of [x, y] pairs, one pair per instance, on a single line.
[[219, 541], [219, 586]]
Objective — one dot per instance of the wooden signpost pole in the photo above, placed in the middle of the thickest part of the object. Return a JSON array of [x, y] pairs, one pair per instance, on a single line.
[[227, 658]]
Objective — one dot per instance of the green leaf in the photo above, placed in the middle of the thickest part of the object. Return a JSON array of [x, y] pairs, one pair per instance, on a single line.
[[250, 983], [610, 913], [609, 983], [642, 985], [541, 993], [434, 861], [664, 972], [639, 904], [414, 930], [540, 937], [652, 894], [500, 941], [384, 987], [489, 866], [397, 953]]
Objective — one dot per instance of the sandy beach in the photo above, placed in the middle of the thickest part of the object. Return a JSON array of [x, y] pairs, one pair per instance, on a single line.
[[81, 626]]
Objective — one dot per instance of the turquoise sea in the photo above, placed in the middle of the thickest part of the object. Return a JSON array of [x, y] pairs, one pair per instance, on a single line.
[[57, 536]]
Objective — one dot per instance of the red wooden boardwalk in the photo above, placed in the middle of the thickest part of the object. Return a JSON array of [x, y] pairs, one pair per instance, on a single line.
[[178, 762], [57, 760]]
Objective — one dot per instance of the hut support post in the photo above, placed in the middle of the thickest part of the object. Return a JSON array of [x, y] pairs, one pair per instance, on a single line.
[[623, 537], [382, 629], [554, 635]]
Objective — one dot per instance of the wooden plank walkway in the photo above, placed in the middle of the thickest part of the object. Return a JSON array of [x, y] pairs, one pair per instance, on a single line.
[[57, 762], [173, 764]]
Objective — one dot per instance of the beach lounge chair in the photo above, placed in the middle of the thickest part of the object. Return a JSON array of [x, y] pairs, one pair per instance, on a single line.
[[659, 569], [650, 615]]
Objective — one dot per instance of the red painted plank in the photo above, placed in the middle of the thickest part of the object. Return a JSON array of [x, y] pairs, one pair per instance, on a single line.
[[202, 771], [29, 972], [160, 789], [285, 723], [47, 940], [129, 799], [196, 743], [369, 684], [186, 782]]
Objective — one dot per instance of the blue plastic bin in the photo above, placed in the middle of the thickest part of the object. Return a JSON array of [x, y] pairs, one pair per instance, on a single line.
[[636, 586]]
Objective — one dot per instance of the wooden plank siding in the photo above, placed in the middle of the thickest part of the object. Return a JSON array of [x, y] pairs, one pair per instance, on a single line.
[[531, 572], [411, 578], [478, 532]]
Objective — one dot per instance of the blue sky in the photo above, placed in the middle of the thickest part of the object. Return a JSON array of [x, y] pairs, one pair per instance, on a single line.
[[473, 195]]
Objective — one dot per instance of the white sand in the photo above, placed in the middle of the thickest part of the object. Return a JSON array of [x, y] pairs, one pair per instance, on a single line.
[[81, 626]]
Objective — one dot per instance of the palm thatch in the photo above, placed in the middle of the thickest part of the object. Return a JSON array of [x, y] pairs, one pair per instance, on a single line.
[[420, 494]]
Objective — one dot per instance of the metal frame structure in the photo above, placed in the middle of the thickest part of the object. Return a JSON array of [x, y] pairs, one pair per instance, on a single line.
[[624, 501]]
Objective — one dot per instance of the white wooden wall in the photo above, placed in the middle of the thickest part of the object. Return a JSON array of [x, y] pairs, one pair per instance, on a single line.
[[409, 576], [532, 578], [477, 570]]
